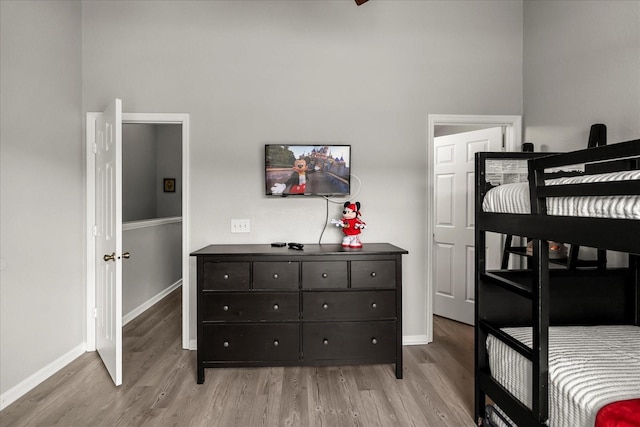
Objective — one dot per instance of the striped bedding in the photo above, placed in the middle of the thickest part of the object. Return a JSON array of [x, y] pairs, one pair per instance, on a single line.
[[514, 198], [589, 367]]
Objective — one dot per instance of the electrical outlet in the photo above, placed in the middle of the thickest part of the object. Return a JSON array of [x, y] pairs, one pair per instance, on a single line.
[[240, 226]]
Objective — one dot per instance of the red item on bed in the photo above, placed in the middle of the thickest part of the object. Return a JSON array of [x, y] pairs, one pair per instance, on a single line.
[[625, 413]]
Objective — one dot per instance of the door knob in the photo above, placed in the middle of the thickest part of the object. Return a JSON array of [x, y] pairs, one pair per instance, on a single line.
[[112, 257]]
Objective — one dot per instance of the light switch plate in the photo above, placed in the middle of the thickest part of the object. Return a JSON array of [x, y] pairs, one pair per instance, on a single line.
[[240, 226]]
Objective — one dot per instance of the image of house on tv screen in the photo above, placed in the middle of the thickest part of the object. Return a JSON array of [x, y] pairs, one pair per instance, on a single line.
[[307, 170]]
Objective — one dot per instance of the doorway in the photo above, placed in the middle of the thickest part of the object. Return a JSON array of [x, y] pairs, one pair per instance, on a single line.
[[151, 214], [140, 118], [512, 131]]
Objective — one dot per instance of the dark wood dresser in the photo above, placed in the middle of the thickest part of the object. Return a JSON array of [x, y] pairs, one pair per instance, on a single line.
[[260, 305]]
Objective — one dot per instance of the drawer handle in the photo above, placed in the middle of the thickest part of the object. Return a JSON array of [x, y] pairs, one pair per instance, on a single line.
[[374, 341], [225, 277], [225, 344], [276, 306], [275, 275], [325, 275], [374, 305], [325, 305], [276, 343], [373, 274], [325, 341], [225, 308]]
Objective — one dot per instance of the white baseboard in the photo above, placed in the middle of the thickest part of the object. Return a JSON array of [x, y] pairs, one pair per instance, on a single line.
[[415, 340], [149, 303], [19, 390]]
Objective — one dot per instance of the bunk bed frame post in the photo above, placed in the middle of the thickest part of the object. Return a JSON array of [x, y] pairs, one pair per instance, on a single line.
[[634, 266], [540, 317], [540, 303], [480, 359]]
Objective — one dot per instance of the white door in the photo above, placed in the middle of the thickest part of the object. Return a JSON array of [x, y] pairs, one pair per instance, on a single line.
[[454, 193], [108, 240]]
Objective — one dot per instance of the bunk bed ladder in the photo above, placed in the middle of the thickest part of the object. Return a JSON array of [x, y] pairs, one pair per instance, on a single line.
[[538, 354], [538, 295]]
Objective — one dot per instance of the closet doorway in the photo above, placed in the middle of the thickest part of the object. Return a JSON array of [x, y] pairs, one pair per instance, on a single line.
[[447, 294]]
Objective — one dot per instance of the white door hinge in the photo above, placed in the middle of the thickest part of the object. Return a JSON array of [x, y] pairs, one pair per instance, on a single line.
[[95, 312], [95, 148], [95, 230]]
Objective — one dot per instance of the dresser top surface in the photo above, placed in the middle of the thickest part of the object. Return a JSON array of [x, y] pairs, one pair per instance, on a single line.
[[309, 249]]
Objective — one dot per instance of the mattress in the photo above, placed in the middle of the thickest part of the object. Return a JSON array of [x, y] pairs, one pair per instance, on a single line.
[[514, 198], [589, 367]]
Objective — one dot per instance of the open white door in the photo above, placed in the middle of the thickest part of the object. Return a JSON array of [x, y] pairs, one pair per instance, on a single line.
[[454, 239], [108, 238]]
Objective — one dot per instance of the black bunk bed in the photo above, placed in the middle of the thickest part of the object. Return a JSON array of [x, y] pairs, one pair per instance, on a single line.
[[540, 297]]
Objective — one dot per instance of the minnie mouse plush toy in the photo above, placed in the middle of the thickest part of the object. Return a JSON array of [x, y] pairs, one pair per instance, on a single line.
[[351, 225]]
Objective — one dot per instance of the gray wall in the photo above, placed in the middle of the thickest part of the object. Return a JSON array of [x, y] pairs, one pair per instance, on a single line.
[[252, 72], [139, 153], [42, 287], [150, 153], [169, 165], [581, 66], [155, 263]]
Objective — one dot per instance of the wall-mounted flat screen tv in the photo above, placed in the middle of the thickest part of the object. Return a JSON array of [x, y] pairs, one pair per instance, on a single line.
[[312, 170]]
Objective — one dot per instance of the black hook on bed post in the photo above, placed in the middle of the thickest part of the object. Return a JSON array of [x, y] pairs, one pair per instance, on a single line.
[[597, 135]]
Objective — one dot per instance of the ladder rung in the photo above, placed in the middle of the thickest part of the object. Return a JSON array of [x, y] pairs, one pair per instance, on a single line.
[[510, 285], [507, 339]]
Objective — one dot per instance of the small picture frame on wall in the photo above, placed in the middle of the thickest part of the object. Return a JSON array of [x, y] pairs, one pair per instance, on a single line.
[[169, 185]]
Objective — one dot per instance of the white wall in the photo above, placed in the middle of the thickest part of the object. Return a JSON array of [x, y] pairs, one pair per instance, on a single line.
[[581, 66], [252, 72], [42, 302]]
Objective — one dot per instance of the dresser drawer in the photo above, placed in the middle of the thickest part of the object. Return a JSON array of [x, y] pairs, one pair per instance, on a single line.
[[262, 342], [275, 275], [349, 305], [373, 341], [225, 275], [324, 274], [373, 274], [249, 306]]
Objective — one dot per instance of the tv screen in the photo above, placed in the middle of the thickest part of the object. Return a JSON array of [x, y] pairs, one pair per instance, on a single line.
[[320, 170]]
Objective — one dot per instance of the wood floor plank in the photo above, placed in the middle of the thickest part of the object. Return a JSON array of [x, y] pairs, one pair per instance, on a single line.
[[159, 386], [294, 405]]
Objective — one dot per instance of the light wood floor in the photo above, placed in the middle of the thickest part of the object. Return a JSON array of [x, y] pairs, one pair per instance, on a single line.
[[159, 387]]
